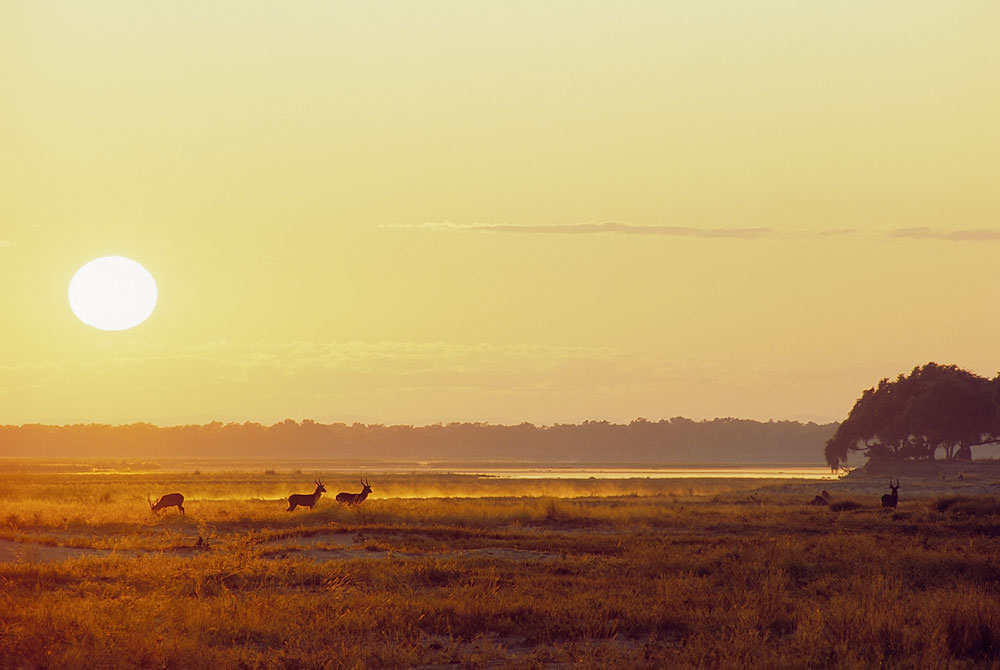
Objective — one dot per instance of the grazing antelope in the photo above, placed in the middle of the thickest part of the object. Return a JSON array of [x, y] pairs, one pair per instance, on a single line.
[[306, 499], [890, 499], [169, 500], [352, 499]]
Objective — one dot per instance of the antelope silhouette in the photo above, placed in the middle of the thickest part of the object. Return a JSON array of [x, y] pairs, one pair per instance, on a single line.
[[306, 499], [169, 500], [891, 499], [352, 499], [821, 499]]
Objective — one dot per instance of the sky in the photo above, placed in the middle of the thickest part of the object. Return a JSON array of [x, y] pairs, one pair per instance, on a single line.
[[546, 211]]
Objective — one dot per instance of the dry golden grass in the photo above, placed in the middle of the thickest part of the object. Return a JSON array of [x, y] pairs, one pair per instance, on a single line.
[[635, 574]]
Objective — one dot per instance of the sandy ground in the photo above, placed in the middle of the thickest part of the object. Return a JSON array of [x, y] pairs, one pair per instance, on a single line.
[[30, 552], [324, 546]]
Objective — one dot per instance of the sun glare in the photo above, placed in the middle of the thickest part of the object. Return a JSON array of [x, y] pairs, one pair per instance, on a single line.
[[112, 293]]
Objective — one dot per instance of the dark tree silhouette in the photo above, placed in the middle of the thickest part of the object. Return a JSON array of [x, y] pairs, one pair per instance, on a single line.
[[935, 407], [676, 440]]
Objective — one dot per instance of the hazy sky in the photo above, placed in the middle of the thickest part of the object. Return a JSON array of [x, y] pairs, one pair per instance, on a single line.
[[500, 211]]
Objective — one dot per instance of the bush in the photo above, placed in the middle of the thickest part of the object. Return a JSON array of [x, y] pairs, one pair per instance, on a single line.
[[969, 506], [942, 504]]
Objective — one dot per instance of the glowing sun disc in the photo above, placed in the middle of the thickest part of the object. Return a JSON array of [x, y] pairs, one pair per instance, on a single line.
[[112, 293]]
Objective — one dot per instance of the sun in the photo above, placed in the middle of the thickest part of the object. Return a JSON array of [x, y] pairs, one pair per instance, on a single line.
[[112, 293]]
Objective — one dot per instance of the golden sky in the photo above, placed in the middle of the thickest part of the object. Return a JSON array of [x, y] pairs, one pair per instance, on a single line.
[[501, 211]]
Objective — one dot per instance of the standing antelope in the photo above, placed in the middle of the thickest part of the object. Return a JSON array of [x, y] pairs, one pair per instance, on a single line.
[[306, 499], [352, 499], [890, 499], [169, 500]]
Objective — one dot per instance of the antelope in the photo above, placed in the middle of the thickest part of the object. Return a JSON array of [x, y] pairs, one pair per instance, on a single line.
[[822, 499], [352, 499], [890, 499], [306, 499], [169, 500]]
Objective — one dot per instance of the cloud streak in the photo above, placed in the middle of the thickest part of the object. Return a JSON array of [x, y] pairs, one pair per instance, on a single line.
[[607, 227], [749, 233], [432, 381], [963, 235]]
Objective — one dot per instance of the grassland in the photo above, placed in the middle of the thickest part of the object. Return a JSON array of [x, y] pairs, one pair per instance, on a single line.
[[449, 571]]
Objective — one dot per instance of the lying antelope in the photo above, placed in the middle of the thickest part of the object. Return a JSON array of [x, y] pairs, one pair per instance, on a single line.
[[821, 499], [306, 499], [890, 499], [169, 500], [352, 499]]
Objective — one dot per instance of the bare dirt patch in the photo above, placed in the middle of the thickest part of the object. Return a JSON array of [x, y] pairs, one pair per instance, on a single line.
[[316, 546], [31, 552]]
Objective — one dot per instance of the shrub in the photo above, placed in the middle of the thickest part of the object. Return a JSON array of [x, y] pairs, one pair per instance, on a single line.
[[942, 504], [969, 505]]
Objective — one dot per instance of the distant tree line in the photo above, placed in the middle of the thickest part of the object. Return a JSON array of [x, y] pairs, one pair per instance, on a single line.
[[676, 440], [934, 408]]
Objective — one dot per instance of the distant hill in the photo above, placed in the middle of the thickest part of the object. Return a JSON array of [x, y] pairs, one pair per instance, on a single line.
[[673, 441]]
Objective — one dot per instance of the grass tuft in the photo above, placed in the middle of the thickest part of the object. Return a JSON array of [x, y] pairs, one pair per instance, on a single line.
[[845, 506], [973, 506]]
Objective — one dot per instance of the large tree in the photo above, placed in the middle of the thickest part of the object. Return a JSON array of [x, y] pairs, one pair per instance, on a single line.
[[934, 407]]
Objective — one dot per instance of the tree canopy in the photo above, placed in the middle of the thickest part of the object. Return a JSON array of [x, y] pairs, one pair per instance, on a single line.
[[934, 407]]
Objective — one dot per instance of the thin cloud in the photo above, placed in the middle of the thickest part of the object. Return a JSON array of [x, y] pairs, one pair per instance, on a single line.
[[749, 233], [291, 369], [297, 355], [5, 244], [964, 235], [838, 232], [620, 228], [608, 227]]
